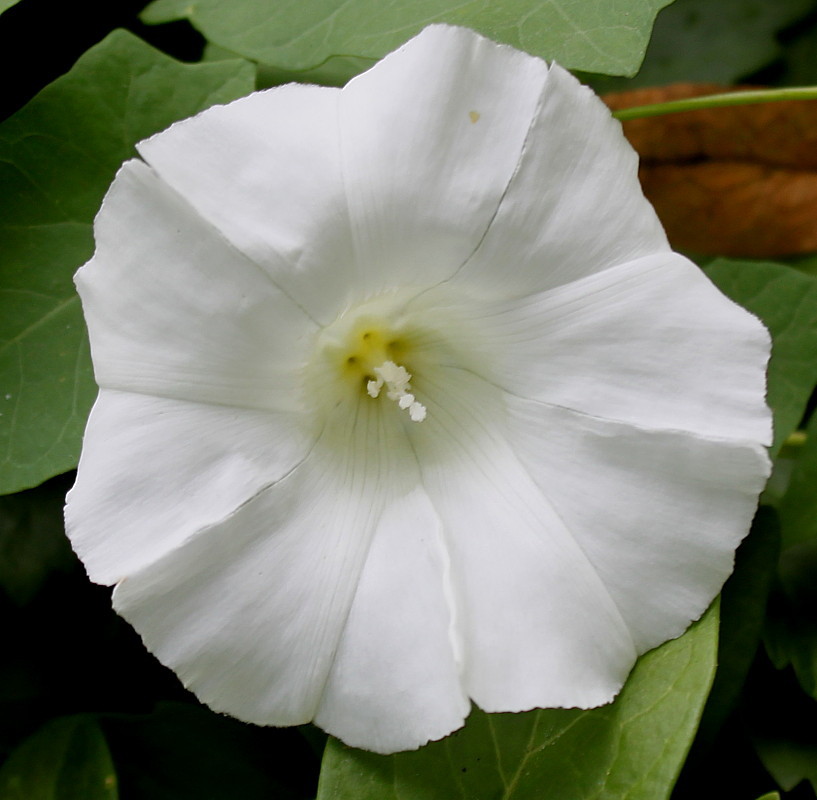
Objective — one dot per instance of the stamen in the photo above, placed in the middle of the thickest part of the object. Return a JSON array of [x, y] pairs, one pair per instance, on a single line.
[[373, 387], [396, 379]]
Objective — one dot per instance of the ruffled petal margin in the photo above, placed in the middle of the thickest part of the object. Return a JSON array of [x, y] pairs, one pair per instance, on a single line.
[[658, 514], [154, 471]]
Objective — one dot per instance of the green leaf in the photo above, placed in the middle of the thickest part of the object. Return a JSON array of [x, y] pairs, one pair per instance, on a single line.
[[592, 35], [5, 5], [32, 539], [782, 726], [698, 40], [798, 507], [743, 609], [333, 72], [789, 762], [58, 156], [67, 759], [808, 263], [791, 629], [632, 748], [161, 11], [790, 637], [786, 302]]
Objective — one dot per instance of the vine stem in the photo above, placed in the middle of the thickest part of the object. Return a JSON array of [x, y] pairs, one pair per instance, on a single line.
[[746, 98]]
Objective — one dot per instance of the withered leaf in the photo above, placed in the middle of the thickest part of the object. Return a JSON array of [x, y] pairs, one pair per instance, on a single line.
[[736, 181]]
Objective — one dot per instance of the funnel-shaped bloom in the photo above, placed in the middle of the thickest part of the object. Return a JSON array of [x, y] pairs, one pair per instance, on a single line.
[[406, 402]]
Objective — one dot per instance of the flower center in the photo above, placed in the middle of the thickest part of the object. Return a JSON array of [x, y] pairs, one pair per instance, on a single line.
[[374, 358], [391, 361], [370, 353]]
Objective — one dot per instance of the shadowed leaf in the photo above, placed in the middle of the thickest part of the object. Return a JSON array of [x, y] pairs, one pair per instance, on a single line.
[[67, 759], [721, 41]]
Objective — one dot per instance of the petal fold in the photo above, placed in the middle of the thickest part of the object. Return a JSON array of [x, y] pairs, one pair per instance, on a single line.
[[154, 471], [658, 514], [175, 311], [652, 343], [575, 205], [431, 136], [538, 626], [395, 682], [275, 191]]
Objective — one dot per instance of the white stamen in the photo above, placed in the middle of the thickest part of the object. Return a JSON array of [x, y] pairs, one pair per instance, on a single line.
[[373, 387], [396, 379], [417, 412]]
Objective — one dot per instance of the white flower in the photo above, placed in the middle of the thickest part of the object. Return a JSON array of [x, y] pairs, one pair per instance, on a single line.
[[405, 401]]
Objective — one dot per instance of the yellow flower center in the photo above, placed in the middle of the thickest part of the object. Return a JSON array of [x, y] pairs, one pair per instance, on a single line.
[[371, 360], [369, 355], [391, 354]]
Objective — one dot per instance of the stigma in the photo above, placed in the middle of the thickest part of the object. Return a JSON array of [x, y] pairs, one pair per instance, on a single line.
[[396, 380]]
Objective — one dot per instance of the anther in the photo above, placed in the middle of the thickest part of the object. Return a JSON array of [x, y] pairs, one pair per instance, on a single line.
[[396, 380]]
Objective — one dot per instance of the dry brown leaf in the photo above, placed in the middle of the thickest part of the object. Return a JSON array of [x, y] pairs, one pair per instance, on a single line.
[[737, 181]]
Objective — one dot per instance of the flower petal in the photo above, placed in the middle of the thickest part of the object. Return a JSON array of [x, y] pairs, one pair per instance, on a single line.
[[666, 507], [430, 138], [197, 321], [395, 682], [265, 170], [539, 627], [575, 205], [250, 612], [651, 343], [154, 471]]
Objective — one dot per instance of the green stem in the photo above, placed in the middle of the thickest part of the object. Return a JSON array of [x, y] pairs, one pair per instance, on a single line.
[[718, 101]]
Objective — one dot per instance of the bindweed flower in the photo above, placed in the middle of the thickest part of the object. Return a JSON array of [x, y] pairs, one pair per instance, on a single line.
[[406, 402]]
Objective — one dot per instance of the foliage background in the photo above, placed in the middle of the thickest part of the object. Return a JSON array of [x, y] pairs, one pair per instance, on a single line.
[[728, 710]]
